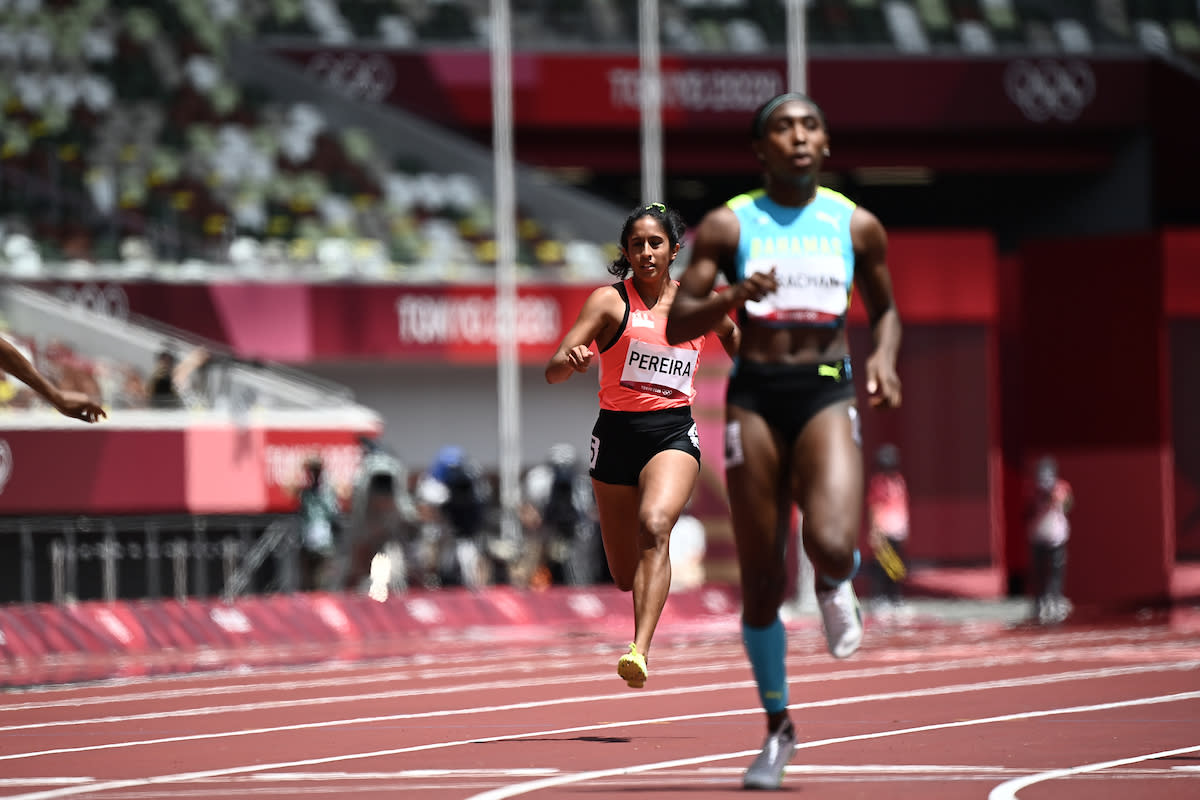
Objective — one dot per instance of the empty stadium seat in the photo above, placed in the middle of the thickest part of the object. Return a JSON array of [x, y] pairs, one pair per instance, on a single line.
[[121, 120]]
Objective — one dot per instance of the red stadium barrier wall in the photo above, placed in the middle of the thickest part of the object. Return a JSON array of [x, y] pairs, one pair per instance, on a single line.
[[574, 108], [1181, 263], [1181, 256], [46, 643], [600, 90], [940, 276], [97, 470], [198, 468], [1094, 393]]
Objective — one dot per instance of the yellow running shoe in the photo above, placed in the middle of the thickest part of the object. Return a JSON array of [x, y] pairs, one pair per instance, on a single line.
[[632, 667]]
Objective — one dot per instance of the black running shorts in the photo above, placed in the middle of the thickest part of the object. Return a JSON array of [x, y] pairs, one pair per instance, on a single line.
[[787, 396], [623, 442]]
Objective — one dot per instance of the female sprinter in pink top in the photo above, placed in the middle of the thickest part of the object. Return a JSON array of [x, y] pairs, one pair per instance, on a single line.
[[645, 453]]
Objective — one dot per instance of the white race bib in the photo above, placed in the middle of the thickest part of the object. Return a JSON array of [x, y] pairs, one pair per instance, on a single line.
[[659, 369], [812, 289]]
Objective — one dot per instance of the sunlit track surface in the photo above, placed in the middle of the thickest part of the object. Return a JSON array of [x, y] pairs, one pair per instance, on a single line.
[[936, 710]]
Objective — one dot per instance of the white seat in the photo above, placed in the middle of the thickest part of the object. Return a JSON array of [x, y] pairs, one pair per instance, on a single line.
[[975, 37], [905, 27], [745, 36], [1073, 36], [397, 31], [1152, 36]]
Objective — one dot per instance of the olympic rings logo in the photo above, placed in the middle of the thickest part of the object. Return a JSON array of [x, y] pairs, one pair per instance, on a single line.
[[1047, 90], [368, 77], [6, 464], [109, 301]]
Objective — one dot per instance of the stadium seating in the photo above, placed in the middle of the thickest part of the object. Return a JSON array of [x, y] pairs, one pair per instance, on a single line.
[[972, 26], [123, 132], [124, 138]]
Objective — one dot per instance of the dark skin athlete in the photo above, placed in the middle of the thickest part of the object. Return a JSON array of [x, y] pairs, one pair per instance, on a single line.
[[822, 470]]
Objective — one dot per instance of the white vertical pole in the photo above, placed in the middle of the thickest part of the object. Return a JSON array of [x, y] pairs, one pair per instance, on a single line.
[[797, 45], [651, 102], [797, 60], [508, 384]]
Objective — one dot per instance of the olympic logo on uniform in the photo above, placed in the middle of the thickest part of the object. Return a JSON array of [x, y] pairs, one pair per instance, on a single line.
[[1050, 90], [369, 77]]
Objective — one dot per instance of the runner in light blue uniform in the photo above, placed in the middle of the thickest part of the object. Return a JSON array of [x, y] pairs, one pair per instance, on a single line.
[[792, 253], [810, 250]]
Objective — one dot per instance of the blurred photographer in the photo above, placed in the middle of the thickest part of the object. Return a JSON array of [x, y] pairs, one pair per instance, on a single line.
[[382, 521], [559, 517], [453, 500], [1050, 502], [318, 512]]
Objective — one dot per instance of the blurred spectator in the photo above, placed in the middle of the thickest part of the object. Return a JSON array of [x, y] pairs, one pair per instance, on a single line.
[[1049, 531], [382, 520], [887, 526], [559, 517], [176, 384], [160, 386], [319, 512], [453, 500], [130, 388]]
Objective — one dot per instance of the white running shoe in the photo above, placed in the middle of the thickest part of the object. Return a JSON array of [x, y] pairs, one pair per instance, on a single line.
[[767, 770], [842, 618]]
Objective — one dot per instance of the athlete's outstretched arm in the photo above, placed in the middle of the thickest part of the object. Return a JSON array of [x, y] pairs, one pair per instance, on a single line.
[[730, 335], [71, 404], [874, 282], [697, 308], [600, 315]]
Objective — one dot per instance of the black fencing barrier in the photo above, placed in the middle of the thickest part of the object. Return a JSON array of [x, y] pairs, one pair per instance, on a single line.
[[62, 559]]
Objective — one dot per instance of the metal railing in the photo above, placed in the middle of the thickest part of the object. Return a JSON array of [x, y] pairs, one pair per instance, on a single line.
[[64, 559]]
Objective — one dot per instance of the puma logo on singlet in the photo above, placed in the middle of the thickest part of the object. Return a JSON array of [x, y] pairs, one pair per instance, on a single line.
[[825, 216], [830, 371]]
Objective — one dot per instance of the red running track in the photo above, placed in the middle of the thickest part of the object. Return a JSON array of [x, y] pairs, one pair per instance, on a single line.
[[936, 710]]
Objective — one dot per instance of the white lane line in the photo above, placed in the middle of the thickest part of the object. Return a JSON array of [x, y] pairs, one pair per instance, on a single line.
[[560, 657], [186, 777], [1004, 683], [1115, 644], [255, 768], [1008, 790], [711, 666], [482, 772], [722, 667], [394, 673], [583, 777]]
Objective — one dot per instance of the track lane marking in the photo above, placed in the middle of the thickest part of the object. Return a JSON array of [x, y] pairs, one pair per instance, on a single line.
[[582, 777], [1027, 648], [241, 770], [1004, 683], [912, 668], [1008, 790]]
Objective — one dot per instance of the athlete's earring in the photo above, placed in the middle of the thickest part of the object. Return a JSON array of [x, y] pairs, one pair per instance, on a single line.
[[825, 152]]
